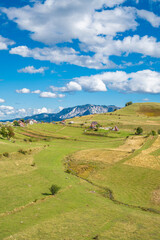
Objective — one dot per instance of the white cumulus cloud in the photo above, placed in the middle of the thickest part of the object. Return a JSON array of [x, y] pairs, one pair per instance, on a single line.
[[145, 81], [23, 90], [51, 95], [63, 55], [36, 91], [5, 42], [2, 100], [9, 112], [150, 17], [32, 69]]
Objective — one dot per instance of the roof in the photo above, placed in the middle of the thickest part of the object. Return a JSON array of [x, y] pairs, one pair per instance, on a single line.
[[94, 123]]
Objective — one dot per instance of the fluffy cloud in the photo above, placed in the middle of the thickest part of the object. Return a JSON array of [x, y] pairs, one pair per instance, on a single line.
[[70, 87], [150, 17], [5, 42], [145, 81], [63, 55], [45, 94], [32, 69], [52, 22], [9, 112], [36, 91], [51, 95], [6, 110], [136, 44], [61, 21], [100, 60], [41, 110], [2, 100], [23, 90]]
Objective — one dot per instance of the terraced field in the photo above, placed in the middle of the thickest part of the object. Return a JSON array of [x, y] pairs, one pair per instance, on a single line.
[[109, 186]]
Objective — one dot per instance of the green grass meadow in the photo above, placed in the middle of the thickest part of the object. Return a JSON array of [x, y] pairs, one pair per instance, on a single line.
[[80, 210]]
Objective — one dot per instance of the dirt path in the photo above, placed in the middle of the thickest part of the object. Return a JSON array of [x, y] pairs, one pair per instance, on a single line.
[[19, 209]]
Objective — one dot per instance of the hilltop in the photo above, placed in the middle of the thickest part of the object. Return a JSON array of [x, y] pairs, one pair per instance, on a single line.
[[130, 117], [151, 109]]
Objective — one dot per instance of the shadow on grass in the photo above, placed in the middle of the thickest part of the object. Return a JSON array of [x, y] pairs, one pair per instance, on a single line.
[[46, 194]]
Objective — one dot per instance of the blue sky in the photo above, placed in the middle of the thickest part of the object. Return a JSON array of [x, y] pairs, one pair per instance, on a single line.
[[56, 54]]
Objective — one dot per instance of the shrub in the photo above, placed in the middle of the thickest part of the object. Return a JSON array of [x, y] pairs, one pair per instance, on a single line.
[[22, 151], [54, 189], [139, 131], [6, 154], [158, 131], [153, 133]]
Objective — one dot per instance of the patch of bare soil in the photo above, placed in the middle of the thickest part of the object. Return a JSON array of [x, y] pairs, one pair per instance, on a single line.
[[132, 143], [156, 196]]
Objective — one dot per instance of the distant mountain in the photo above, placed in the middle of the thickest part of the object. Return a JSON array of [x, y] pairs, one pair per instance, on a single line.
[[72, 112]]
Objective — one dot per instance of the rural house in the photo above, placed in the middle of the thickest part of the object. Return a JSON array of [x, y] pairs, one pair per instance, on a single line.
[[93, 125]]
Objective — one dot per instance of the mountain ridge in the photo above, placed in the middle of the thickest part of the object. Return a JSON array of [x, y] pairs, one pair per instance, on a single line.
[[71, 112]]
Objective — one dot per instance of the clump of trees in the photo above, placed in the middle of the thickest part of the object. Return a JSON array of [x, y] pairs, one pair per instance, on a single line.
[[139, 131], [128, 103], [6, 132], [15, 123]]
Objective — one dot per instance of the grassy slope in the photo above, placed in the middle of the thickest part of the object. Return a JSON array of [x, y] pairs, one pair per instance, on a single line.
[[78, 211]]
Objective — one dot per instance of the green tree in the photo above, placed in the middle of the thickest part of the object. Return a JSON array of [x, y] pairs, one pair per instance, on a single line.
[[15, 123], [10, 132], [153, 133], [139, 131], [54, 189], [4, 132], [128, 103]]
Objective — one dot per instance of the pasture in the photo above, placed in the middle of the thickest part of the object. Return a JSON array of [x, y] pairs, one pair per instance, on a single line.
[[109, 185]]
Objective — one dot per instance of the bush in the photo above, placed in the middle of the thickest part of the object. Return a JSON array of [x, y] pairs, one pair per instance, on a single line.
[[54, 189], [6, 154], [158, 131], [153, 133], [139, 131], [22, 151]]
